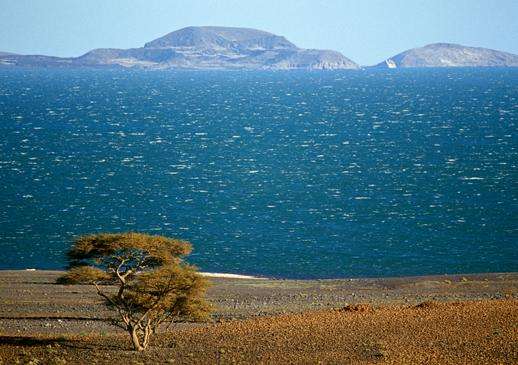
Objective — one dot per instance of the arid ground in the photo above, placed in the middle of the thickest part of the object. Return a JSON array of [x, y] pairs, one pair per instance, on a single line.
[[434, 319]]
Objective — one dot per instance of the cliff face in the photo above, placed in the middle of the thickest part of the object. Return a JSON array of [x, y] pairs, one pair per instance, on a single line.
[[450, 55], [202, 48]]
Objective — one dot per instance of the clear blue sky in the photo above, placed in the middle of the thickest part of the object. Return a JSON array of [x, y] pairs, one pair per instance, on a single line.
[[366, 31]]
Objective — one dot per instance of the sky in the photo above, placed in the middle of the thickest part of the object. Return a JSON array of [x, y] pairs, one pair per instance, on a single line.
[[367, 31]]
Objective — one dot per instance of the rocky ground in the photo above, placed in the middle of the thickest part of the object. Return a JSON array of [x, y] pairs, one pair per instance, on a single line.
[[470, 318]]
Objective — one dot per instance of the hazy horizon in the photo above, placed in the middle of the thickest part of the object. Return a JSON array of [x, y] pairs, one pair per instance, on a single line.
[[366, 32]]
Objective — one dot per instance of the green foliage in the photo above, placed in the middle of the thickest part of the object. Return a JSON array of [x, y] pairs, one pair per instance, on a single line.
[[99, 249], [175, 289], [154, 285], [84, 275]]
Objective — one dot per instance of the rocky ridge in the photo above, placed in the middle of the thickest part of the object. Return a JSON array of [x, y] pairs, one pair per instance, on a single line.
[[450, 55], [200, 48]]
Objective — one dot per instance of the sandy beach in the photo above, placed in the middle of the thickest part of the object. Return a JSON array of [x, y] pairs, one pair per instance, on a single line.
[[432, 319]]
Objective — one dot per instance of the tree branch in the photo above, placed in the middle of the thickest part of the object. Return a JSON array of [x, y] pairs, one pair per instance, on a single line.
[[124, 317]]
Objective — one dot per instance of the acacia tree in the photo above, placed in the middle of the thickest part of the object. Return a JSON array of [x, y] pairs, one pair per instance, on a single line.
[[142, 277]]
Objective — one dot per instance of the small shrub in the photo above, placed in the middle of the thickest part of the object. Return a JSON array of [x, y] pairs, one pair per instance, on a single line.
[[427, 304], [360, 308]]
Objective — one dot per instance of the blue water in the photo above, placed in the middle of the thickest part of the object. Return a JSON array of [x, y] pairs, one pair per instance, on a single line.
[[283, 174]]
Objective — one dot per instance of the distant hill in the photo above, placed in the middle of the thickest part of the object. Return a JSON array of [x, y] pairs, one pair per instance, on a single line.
[[450, 55], [222, 38], [200, 48]]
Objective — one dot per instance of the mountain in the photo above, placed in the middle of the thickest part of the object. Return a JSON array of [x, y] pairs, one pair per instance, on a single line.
[[200, 48], [450, 55], [221, 38]]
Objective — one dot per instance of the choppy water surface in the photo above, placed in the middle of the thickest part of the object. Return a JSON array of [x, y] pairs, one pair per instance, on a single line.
[[289, 174]]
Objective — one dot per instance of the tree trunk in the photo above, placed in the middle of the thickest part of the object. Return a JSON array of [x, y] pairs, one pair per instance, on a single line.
[[147, 334], [134, 339]]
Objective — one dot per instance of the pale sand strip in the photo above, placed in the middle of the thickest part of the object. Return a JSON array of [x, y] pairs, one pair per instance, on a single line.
[[229, 276]]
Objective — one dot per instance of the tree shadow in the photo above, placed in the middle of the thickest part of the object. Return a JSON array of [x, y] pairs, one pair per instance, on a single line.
[[98, 343], [30, 341]]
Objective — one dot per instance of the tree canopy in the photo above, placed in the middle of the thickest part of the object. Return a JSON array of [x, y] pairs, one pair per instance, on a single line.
[[154, 286]]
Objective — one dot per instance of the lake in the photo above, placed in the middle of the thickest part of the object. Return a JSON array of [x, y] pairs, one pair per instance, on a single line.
[[282, 174]]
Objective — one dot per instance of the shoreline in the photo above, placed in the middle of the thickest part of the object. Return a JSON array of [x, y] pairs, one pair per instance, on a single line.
[[34, 296], [35, 293], [226, 275]]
